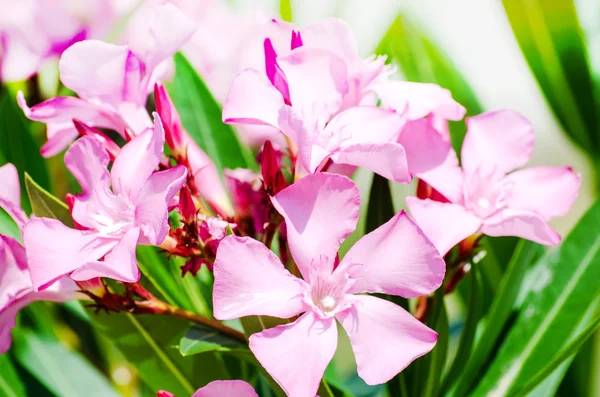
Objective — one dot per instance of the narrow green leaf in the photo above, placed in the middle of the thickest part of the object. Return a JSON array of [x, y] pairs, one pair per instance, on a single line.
[[564, 354], [421, 60], [551, 40], [43, 204], [561, 286], [8, 226], [285, 10], [381, 206], [500, 310], [17, 146], [467, 335], [254, 324], [200, 339], [10, 384], [150, 344], [325, 390], [65, 372], [438, 355], [201, 117]]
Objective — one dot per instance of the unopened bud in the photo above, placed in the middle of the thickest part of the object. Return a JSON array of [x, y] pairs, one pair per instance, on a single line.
[[273, 179], [85, 130], [426, 191], [170, 118], [296, 40], [94, 287], [162, 393], [187, 208]]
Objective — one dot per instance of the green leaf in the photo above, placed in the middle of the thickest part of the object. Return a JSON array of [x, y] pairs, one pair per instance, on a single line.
[[551, 40], [559, 289], [10, 384], [564, 354], [381, 206], [421, 60], [43, 204], [500, 310], [64, 372], [324, 390], [8, 226], [438, 355], [200, 339], [149, 342], [285, 10], [16, 143], [201, 117], [254, 324], [467, 335]]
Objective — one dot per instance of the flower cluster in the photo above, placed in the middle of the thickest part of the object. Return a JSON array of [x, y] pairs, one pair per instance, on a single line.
[[335, 112]]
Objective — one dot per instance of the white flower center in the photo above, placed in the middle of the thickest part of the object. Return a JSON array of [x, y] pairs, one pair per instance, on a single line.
[[483, 203], [327, 303]]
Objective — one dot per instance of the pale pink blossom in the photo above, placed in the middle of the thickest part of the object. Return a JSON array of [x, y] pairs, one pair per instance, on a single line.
[[222, 388], [16, 290], [486, 196], [111, 222], [112, 81], [320, 211], [323, 96]]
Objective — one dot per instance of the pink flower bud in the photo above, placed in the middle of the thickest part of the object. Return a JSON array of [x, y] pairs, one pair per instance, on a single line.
[[170, 118], [273, 180], [274, 72], [162, 393], [94, 286], [85, 130], [187, 208]]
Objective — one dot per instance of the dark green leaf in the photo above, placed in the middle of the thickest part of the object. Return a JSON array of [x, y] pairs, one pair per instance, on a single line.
[[254, 324], [201, 117], [558, 293], [10, 384], [8, 226], [43, 204], [200, 339], [381, 207], [438, 355], [498, 315], [421, 60], [65, 372], [552, 42], [16, 143]]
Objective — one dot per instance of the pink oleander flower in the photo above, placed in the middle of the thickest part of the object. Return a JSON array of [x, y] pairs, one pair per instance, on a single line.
[[320, 211], [111, 222], [220, 388], [323, 97], [486, 195], [32, 31], [16, 290], [112, 81]]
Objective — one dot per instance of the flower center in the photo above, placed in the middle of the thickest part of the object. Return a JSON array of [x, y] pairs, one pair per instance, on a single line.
[[327, 303]]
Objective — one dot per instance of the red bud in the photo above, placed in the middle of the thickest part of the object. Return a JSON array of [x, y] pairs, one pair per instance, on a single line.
[[273, 179], [425, 191], [162, 393], [187, 207], [170, 119]]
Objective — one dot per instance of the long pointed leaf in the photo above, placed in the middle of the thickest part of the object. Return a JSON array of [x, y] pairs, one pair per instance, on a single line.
[[10, 384]]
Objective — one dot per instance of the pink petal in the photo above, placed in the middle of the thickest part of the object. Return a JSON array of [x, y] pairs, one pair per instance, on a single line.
[[525, 224], [137, 160], [54, 250], [445, 224], [385, 159], [448, 180], [421, 99], [152, 212], [317, 81], [397, 259], [14, 275], [320, 211], [252, 99], [296, 354], [250, 280], [385, 338], [87, 159], [333, 35], [119, 264], [549, 191], [425, 147], [365, 124], [498, 141], [95, 70], [10, 189], [60, 136], [224, 388], [8, 320]]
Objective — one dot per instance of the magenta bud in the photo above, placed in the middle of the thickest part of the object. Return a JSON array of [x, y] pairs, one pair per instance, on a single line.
[[274, 72], [296, 40], [85, 130], [162, 393], [187, 207], [273, 179], [170, 119]]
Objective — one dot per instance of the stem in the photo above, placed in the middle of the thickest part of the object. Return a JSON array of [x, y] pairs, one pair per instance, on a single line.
[[270, 234], [158, 307]]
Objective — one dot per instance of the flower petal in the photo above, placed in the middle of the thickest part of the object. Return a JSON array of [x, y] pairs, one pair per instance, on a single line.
[[137, 160], [296, 354], [14, 275], [533, 187], [422, 99], [445, 224], [54, 250], [224, 388], [250, 280], [385, 159], [525, 224], [397, 259], [447, 180], [119, 264], [252, 99], [365, 124], [425, 147], [320, 211], [385, 338], [498, 141], [8, 320], [334, 35], [87, 159], [152, 212], [10, 188]]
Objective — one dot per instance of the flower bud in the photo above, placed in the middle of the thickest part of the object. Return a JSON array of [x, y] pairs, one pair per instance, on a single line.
[[274, 72], [273, 179], [170, 118], [425, 191], [84, 130], [187, 208], [162, 393], [94, 287]]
